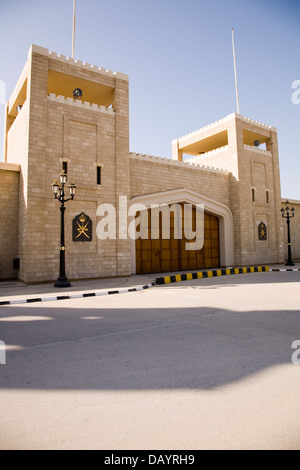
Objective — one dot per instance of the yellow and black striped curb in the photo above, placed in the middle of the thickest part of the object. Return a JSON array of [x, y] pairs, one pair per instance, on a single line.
[[213, 273], [158, 281]]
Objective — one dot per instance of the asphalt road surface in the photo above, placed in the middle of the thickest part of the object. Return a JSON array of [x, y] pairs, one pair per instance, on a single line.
[[202, 364]]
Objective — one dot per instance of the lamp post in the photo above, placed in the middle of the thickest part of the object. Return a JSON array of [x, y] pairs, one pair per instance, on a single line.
[[286, 214], [59, 193]]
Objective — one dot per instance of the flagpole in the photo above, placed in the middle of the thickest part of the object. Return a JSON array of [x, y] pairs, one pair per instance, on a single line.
[[235, 75], [73, 38]]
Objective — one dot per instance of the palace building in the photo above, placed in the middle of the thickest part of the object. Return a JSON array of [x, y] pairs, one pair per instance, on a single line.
[[230, 166]]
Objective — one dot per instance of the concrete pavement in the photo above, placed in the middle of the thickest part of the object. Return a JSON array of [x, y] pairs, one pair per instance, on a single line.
[[201, 364]]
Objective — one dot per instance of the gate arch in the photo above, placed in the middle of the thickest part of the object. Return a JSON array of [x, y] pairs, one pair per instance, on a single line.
[[211, 207]]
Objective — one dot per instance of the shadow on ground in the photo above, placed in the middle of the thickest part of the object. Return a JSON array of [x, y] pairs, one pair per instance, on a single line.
[[144, 348]]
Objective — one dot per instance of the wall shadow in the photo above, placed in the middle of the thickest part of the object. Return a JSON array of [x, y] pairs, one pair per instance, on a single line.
[[144, 348]]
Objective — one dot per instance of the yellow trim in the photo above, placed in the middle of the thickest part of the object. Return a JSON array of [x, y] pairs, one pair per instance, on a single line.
[[189, 276]]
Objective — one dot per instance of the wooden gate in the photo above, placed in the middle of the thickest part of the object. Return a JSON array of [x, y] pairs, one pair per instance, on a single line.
[[154, 256]]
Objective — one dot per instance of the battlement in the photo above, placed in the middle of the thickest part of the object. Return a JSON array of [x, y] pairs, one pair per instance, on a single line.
[[80, 104], [256, 149], [218, 135], [221, 121], [169, 161], [257, 123], [206, 154], [77, 63], [205, 128]]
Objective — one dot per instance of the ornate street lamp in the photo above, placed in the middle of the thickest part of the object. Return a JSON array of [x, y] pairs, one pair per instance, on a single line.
[[286, 214], [59, 193]]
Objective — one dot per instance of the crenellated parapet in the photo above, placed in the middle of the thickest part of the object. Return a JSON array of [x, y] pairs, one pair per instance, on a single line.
[[80, 104], [77, 63], [170, 162], [257, 149]]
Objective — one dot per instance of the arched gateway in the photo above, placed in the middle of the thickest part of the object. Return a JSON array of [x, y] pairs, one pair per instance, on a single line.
[[163, 255]]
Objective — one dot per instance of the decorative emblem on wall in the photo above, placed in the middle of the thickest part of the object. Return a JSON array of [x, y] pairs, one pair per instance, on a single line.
[[82, 228], [262, 231]]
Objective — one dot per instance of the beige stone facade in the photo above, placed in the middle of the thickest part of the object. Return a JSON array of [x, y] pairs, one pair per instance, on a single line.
[[9, 180], [218, 166]]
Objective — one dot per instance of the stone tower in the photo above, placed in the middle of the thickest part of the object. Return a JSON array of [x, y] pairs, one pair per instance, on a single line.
[[46, 129], [235, 144]]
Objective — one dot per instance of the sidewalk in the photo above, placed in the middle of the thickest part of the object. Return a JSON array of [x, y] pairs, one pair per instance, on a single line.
[[17, 290]]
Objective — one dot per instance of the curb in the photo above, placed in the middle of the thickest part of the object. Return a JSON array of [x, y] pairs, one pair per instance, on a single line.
[[76, 296], [284, 269], [213, 273], [158, 281]]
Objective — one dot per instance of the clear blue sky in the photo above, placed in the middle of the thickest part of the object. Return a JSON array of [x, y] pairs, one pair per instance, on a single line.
[[178, 55]]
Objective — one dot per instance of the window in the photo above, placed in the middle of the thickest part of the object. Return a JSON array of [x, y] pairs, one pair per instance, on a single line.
[[267, 196], [98, 174], [65, 167], [253, 194]]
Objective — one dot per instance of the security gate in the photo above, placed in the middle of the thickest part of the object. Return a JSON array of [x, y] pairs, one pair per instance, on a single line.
[[154, 256]]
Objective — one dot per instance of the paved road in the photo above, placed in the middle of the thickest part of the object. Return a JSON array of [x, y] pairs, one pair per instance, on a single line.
[[203, 364]]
